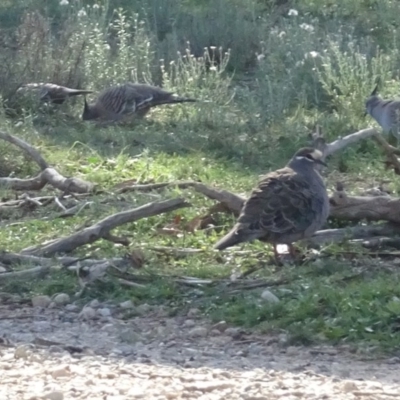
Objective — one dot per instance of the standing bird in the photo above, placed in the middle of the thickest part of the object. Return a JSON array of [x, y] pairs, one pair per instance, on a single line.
[[117, 102], [51, 93], [288, 205], [386, 113]]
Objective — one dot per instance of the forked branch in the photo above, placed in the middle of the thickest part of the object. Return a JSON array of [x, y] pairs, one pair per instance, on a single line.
[[47, 175]]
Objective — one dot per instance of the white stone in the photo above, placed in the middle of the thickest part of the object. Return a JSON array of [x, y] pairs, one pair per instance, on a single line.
[[61, 299], [41, 301], [269, 297]]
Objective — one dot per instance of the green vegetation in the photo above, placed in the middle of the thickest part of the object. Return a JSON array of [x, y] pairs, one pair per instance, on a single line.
[[268, 72]]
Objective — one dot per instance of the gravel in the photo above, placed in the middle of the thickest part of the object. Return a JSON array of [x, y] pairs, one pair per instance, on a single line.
[[64, 353]]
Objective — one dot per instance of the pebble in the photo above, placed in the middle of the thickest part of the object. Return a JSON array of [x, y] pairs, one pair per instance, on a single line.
[[104, 312], [232, 332], [143, 309], [269, 297], [54, 396], [193, 312], [349, 386], [127, 305], [23, 351], [62, 299], [71, 307], [87, 313], [189, 323], [198, 331], [61, 372], [221, 326], [94, 303], [41, 301]]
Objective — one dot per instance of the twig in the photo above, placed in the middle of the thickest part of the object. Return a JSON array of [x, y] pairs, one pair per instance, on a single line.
[[357, 232], [46, 176], [14, 258], [341, 143], [372, 208], [24, 274], [103, 227], [31, 151]]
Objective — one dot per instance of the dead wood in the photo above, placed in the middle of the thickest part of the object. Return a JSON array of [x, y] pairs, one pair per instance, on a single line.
[[15, 258], [232, 201], [357, 232], [102, 228], [47, 175], [372, 208], [341, 143], [31, 273]]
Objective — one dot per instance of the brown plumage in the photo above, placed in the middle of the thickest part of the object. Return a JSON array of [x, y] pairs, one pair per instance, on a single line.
[[49, 92], [288, 205], [117, 102]]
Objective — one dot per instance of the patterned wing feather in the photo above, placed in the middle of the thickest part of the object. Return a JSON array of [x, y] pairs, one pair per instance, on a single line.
[[281, 205]]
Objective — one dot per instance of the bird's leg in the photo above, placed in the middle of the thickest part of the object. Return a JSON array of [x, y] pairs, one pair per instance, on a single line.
[[277, 256], [393, 139]]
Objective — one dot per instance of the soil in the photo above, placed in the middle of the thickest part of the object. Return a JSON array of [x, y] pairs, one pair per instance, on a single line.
[[65, 352]]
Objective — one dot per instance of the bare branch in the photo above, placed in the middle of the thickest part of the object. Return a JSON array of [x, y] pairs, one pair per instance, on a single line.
[[233, 202], [102, 228], [31, 151], [25, 274], [356, 208], [357, 232], [341, 143]]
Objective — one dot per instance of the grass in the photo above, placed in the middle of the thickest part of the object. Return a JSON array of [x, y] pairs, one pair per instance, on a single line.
[[313, 68]]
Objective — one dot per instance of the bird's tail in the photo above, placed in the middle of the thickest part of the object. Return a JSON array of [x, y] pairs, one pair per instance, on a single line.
[[230, 239], [77, 92]]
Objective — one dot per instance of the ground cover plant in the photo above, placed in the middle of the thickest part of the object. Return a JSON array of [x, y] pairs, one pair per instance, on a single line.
[[267, 74]]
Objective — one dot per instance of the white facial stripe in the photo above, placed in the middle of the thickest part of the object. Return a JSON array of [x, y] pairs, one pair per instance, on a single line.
[[299, 158]]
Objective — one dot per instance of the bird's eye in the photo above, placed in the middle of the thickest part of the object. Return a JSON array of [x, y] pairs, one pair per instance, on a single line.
[[310, 157]]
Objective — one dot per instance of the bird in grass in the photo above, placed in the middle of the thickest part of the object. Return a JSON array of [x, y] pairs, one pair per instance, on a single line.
[[51, 93], [386, 113], [118, 102], [288, 205]]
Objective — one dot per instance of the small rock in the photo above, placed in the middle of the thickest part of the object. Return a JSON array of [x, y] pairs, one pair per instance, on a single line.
[[60, 372], [54, 396], [143, 309], [52, 305], [199, 331], [349, 386], [232, 332], [71, 307], [41, 301], [23, 351], [292, 351], [215, 332], [129, 336], [127, 305], [104, 312], [189, 323], [62, 299], [221, 326], [2, 269], [56, 349], [269, 297], [193, 312], [94, 303], [87, 313]]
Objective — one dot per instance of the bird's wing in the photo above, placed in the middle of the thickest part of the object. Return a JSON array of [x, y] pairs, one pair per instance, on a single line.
[[281, 204]]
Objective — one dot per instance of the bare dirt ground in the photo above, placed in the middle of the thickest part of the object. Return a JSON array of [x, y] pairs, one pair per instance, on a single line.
[[66, 353]]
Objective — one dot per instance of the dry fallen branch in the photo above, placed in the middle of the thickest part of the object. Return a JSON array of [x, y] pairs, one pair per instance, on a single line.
[[341, 143], [102, 228], [15, 258], [357, 232], [31, 273], [372, 208], [232, 201], [47, 175]]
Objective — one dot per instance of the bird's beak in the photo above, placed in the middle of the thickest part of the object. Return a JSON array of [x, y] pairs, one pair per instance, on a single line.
[[320, 162]]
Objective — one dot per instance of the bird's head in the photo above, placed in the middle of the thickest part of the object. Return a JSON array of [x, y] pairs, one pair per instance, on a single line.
[[308, 156]]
